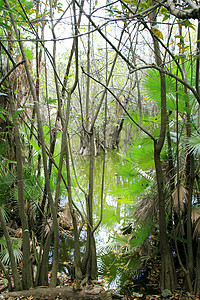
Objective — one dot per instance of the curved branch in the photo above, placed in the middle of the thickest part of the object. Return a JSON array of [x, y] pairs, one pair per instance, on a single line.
[[153, 66], [8, 53], [192, 13], [15, 66], [125, 110]]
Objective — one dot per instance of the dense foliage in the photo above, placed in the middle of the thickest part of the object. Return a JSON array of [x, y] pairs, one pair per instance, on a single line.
[[76, 80]]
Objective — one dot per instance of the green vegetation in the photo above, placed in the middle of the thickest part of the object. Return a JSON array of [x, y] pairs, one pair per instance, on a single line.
[[99, 145]]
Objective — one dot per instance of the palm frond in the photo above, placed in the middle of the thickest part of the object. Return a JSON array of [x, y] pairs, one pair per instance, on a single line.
[[120, 261], [147, 208], [196, 221], [180, 199], [193, 144], [16, 245], [151, 86]]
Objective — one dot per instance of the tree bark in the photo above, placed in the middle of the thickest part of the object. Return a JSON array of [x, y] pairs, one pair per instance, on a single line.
[[168, 274], [27, 279], [168, 278], [16, 278], [90, 260]]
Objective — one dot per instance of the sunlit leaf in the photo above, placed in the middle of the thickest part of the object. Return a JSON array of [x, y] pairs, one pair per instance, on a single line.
[[157, 33]]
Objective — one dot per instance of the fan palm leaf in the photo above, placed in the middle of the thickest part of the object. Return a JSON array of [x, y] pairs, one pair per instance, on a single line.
[[196, 220], [16, 244], [193, 144], [151, 89]]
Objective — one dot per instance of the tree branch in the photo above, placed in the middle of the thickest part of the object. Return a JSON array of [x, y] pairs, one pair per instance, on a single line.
[[153, 66], [125, 110], [15, 66], [192, 13]]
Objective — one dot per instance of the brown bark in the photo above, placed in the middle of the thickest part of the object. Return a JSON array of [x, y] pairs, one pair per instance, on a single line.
[[168, 278], [27, 280], [115, 136], [189, 172], [43, 266], [47, 179], [77, 257], [16, 278], [97, 292], [168, 275], [90, 260]]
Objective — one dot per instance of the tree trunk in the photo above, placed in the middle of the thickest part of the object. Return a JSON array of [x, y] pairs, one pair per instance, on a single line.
[[26, 276], [168, 274], [90, 259], [16, 279], [77, 258], [189, 172], [27, 279], [197, 279], [115, 136], [168, 279], [43, 266]]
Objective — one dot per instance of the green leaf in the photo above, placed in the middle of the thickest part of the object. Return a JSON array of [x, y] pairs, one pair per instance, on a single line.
[[4, 25], [35, 145], [51, 100], [166, 17], [19, 111], [179, 36], [29, 54], [2, 117], [187, 109]]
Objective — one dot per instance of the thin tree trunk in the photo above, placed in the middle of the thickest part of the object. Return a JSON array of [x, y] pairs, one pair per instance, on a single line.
[[77, 257], [43, 146], [16, 278], [90, 261], [168, 279], [197, 279], [27, 279], [189, 172], [43, 266], [168, 275]]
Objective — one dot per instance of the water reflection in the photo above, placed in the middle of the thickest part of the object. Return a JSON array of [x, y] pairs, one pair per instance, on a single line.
[[114, 210]]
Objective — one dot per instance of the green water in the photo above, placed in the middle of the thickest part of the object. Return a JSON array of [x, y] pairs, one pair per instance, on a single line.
[[114, 210]]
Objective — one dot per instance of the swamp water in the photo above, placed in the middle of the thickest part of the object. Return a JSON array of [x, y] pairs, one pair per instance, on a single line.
[[115, 211]]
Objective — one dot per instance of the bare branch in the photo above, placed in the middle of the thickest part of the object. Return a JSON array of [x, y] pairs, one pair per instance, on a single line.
[[125, 110], [153, 66], [15, 66], [192, 13]]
